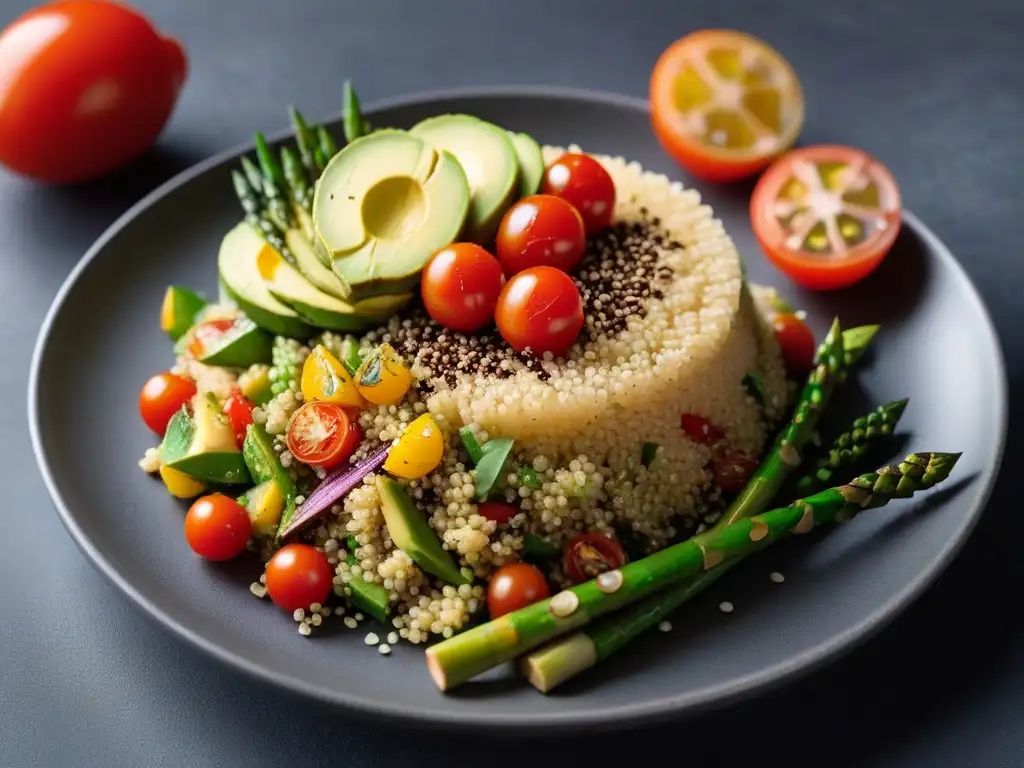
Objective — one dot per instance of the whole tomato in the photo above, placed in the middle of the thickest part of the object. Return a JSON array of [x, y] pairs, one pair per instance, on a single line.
[[85, 86]]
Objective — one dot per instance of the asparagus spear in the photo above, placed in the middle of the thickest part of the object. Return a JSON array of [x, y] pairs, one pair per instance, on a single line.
[[306, 141], [328, 145], [567, 657], [352, 120], [273, 182], [256, 209], [466, 655], [299, 188]]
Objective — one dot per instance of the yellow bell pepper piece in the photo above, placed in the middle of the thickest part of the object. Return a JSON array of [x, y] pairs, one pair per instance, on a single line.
[[180, 485], [383, 378], [418, 451], [325, 378], [265, 507]]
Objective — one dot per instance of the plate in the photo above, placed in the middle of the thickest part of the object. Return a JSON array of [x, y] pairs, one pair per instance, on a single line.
[[101, 341]]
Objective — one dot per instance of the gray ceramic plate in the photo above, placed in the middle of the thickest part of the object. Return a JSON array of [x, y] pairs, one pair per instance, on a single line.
[[937, 342]]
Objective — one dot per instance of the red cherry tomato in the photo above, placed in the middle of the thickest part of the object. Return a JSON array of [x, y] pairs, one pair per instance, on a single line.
[[826, 215], [322, 434], [540, 230], [239, 413], [217, 528], [584, 183], [85, 86], [162, 397], [460, 287], [732, 470], [515, 586], [298, 575], [796, 343], [588, 555], [497, 511], [700, 429], [540, 308], [205, 335]]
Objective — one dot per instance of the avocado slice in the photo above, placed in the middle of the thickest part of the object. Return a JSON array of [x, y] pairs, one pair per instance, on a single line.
[[242, 345], [265, 467], [200, 443], [384, 205], [486, 154], [257, 385], [265, 504], [241, 280], [312, 267], [531, 163], [179, 310], [409, 530]]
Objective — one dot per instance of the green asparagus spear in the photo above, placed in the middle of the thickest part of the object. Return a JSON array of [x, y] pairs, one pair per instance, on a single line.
[[256, 208], [328, 145], [567, 657], [352, 120], [855, 343], [252, 175], [299, 188], [273, 184], [305, 141]]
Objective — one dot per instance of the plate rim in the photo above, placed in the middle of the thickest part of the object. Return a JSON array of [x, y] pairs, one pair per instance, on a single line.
[[614, 717]]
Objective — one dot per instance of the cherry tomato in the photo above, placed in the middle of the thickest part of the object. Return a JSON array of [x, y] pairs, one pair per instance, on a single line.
[[826, 215], [724, 104], [515, 586], [298, 575], [732, 469], [322, 434], [460, 287], [205, 335], [86, 86], [588, 555], [497, 511], [239, 413], [217, 528], [584, 183], [540, 230], [162, 397], [700, 429], [796, 343], [540, 308]]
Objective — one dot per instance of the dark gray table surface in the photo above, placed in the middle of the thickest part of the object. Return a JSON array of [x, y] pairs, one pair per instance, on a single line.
[[935, 89]]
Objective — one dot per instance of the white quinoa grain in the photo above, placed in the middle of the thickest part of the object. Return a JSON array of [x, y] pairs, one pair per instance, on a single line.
[[304, 629], [371, 638], [384, 649], [351, 623], [726, 607], [392, 637], [777, 577], [665, 626]]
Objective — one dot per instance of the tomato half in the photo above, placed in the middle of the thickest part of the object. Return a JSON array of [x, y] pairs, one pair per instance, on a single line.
[[700, 429], [206, 336], [588, 555], [542, 309], [239, 413], [826, 215], [732, 469], [162, 397], [85, 86], [515, 586], [724, 103], [217, 528], [541, 230], [298, 575], [322, 435], [584, 183], [796, 342], [460, 287]]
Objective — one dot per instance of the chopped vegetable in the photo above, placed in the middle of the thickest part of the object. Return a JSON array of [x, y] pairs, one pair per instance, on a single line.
[[265, 504], [489, 468], [179, 310], [239, 413], [351, 355], [469, 442], [648, 453], [528, 476], [383, 377], [754, 385], [796, 343], [538, 548], [325, 379], [700, 429], [497, 511], [180, 485], [588, 555], [322, 434], [370, 597], [515, 586], [298, 575], [418, 451]]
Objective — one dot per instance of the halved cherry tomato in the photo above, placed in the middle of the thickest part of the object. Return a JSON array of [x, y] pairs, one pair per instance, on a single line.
[[724, 103], [732, 469], [239, 413], [162, 397], [584, 183], [542, 309], [206, 335], [700, 429], [588, 555], [217, 528], [298, 575], [796, 343], [460, 287], [322, 435], [86, 86], [540, 231], [497, 511], [515, 586], [826, 215]]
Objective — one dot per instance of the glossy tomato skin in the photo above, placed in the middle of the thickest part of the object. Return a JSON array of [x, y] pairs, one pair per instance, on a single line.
[[162, 397], [583, 182], [217, 528], [460, 287], [538, 231], [540, 308], [337, 434], [298, 575], [87, 86], [796, 343], [587, 555], [238, 409], [515, 586], [497, 511], [700, 429]]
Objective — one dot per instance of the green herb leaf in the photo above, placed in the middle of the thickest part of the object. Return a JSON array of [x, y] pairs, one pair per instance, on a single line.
[[754, 384], [647, 454], [528, 476], [538, 548], [351, 355], [471, 445], [490, 465]]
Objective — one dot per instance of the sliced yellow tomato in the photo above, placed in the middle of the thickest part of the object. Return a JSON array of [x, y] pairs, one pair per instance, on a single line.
[[180, 485], [724, 104], [383, 377], [418, 451], [325, 379]]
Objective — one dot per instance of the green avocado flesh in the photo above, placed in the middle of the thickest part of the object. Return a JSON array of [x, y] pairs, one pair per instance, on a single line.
[[265, 466], [243, 345], [179, 310], [413, 535], [383, 206], [489, 160], [370, 597], [240, 278], [531, 163], [201, 444]]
